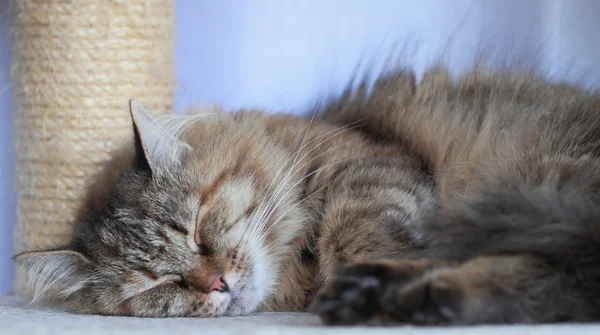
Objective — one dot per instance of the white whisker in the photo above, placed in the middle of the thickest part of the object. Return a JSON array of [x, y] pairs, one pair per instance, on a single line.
[[261, 216], [292, 188], [266, 233], [291, 172], [269, 209], [295, 155], [307, 163]]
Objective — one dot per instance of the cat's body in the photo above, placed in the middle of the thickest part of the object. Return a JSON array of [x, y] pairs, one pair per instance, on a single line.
[[516, 237], [492, 182], [348, 185]]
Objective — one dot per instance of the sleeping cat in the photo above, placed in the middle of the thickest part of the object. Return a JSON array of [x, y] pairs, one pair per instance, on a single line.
[[440, 203]]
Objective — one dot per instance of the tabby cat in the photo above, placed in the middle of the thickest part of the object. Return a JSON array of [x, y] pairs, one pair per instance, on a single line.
[[447, 202]]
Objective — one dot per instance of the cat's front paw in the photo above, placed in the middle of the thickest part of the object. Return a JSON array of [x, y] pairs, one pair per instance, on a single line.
[[349, 298], [388, 292], [429, 300]]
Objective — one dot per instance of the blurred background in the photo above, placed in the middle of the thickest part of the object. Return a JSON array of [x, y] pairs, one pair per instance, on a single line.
[[285, 55]]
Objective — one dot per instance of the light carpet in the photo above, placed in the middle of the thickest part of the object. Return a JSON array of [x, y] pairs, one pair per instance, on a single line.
[[16, 317]]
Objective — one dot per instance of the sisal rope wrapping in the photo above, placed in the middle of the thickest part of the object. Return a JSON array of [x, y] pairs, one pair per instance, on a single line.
[[75, 64]]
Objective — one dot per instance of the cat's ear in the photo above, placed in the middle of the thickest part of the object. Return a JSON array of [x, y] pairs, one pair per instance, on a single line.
[[156, 149], [54, 274]]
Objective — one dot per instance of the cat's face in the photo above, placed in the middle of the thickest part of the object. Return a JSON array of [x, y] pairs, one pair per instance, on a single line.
[[184, 232]]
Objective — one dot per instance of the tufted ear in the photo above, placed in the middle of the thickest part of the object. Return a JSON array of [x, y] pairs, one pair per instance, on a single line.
[[156, 149], [55, 274]]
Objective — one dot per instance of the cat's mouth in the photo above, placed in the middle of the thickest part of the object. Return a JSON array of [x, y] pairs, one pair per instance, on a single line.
[[244, 299], [250, 286]]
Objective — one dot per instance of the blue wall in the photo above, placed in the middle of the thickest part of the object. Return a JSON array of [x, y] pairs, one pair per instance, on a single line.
[[7, 195], [285, 54]]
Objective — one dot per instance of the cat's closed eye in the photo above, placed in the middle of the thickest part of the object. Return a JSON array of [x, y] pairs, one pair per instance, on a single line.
[[171, 279]]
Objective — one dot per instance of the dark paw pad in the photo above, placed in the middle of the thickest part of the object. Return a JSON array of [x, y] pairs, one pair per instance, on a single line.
[[347, 300], [424, 302]]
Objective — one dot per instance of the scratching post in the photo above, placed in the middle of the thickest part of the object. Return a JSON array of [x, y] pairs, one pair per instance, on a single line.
[[75, 64]]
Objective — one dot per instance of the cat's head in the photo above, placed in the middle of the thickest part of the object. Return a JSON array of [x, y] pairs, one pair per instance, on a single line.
[[184, 231]]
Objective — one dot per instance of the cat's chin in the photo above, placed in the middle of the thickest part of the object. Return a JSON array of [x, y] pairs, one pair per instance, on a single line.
[[249, 294], [243, 301]]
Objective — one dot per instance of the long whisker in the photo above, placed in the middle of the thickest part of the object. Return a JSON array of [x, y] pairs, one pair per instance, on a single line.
[[295, 155], [308, 129], [266, 233], [270, 209], [298, 182], [310, 161], [264, 209], [338, 131], [291, 172]]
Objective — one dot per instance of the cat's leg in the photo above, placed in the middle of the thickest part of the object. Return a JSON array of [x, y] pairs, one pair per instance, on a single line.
[[519, 255], [487, 289], [491, 290], [354, 293], [369, 212]]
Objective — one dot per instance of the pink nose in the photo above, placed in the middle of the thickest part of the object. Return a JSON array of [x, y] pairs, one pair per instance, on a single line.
[[218, 284]]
